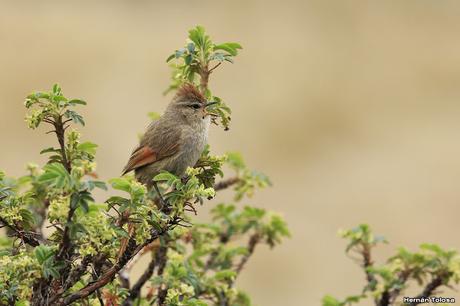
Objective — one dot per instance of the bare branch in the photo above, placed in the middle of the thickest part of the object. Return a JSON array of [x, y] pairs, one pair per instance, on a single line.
[[253, 241], [213, 68], [226, 183]]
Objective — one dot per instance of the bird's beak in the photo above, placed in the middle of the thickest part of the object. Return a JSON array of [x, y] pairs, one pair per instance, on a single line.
[[206, 113]]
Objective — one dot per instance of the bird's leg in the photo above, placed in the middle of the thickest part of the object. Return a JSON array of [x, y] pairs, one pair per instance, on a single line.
[[164, 204]]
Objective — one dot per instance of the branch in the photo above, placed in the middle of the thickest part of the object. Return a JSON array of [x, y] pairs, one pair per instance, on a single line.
[[60, 134], [402, 279], [223, 240], [136, 289], [131, 250], [213, 68], [26, 237], [226, 183], [65, 243], [204, 77], [253, 241], [163, 259], [371, 280], [77, 273], [430, 288]]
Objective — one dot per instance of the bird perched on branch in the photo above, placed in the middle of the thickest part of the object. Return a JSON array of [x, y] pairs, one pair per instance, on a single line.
[[171, 143], [175, 141]]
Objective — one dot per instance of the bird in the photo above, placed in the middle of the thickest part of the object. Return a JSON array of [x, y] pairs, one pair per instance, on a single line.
[[175, 141]]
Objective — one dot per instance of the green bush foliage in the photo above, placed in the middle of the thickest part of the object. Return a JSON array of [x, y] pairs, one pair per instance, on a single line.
[[93, 245], [428, 270]]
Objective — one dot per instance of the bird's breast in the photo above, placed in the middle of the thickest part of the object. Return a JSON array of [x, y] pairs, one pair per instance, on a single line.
[[194, 140]]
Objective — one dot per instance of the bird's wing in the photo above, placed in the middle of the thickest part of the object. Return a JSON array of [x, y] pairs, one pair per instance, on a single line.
[[156, 145]]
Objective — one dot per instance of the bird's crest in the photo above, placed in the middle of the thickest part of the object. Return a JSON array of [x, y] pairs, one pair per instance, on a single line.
[[189, 92]]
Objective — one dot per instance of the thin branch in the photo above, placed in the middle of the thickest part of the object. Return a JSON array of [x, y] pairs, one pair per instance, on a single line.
[[371, 280], [430, 288], [162, 260], [48, 121], [131, 251], [135, 291], [402, 279], [253, 241], [26, 237], [65, 243], [213, 68], [226, 183]]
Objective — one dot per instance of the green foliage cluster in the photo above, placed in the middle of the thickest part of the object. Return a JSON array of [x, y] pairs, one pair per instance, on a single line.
[[87, 257], [193, 64], [429, 269]]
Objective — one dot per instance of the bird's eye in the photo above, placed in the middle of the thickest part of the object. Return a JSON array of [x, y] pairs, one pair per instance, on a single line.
[[195, 106]]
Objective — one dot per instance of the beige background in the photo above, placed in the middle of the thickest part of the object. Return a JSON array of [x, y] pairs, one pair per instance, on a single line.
[[352, 108]]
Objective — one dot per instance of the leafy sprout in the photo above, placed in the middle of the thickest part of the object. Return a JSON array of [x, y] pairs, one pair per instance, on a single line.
[[196, 61]]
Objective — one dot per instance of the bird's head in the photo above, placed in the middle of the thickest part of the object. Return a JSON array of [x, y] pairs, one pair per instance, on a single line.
[[190, 104]]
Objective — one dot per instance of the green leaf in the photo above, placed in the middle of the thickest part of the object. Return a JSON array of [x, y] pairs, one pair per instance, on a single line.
[[197, 35], [97, 184], [56, 89], [225, 275], [235, 160], [74, 116], [88, 147], [331, 301], [81, 199], [55, 175], [121, 184], [188, 59], [154, 116], [42, 253], [49, 150], [231, 48], [77, 101], [170, 57], [191, 47], [179, 53], [165, 176], [28, 218]]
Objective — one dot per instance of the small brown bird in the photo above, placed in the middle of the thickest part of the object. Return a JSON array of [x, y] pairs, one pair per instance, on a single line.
[[175, 141]]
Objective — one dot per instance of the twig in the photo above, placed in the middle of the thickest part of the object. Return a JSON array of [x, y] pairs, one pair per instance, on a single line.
[[430, 288], [226, 183], [26, 237], [131, 251], [60, 134], [255, 238], [371, 280], [217, 65], [162, 260], [135, 291], [402, 279]]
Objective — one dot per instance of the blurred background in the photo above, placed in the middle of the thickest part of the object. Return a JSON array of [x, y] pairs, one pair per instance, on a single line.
[[351, 107]]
